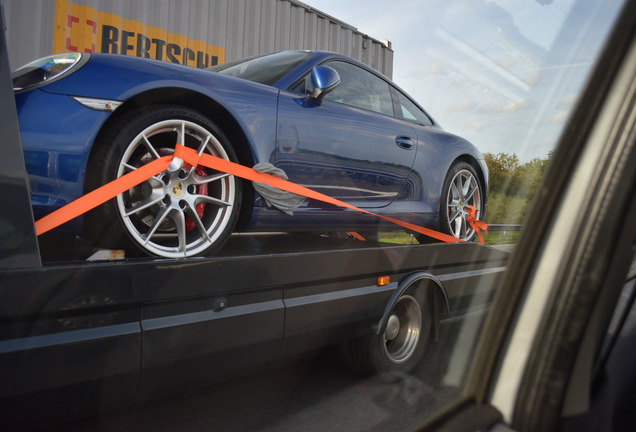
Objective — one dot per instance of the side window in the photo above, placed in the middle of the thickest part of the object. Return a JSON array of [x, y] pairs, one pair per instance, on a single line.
[[357, 87], [361, 89], [409, 111]]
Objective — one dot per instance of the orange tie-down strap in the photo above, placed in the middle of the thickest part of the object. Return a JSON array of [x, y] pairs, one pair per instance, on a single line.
[[191, 157]]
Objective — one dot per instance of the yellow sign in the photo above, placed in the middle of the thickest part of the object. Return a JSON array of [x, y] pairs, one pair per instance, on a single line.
[[85, 29]]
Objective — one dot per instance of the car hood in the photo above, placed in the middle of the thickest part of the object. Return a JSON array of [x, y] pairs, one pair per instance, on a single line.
[[120, 77]]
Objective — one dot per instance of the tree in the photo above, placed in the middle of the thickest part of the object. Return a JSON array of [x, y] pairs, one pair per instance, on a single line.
[[511, 186], [528, 177], [502, 167]]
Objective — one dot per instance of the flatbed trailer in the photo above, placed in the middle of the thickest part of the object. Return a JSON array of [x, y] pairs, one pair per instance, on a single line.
[[121, 329], [78, 335]]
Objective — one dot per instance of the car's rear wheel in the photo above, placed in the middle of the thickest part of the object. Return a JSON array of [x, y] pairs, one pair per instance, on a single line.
[[462, 189], [178, 213]]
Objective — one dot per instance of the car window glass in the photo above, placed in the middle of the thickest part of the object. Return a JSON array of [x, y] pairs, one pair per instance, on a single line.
[[360, 88], [264, 69], [409, 111]]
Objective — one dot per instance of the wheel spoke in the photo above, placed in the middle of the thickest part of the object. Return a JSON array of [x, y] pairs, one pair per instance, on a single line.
[[203, 145], [159, 218], [470, 193], [200, 151], [210, 178], [465, 186], [130, 168], [150, 147], [458, 226], [456, 213], [197, 221], [211, 200], [455, 191], [181, 134], [144, 205], [180, 223]]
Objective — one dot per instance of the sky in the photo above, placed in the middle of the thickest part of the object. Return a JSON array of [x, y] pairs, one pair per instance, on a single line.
[[505, 74]]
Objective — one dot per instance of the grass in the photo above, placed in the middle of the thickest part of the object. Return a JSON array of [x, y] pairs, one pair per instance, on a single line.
[[493, 237], [397, 237], [501, 237]]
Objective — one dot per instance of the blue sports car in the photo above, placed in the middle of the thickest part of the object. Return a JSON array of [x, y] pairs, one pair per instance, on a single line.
[[325, 121]]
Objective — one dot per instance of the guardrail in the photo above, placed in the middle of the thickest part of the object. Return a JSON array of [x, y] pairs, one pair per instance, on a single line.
[[504, 227]]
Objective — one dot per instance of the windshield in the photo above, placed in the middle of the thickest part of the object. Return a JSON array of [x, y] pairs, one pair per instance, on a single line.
[[323, 257], [264, 69]]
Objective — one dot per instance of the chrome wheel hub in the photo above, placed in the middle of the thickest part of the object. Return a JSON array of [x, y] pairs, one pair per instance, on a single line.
[[392, 328], [403, 330]]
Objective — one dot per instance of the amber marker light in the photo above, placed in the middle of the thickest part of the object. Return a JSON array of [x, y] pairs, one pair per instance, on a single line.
[[383, 280]]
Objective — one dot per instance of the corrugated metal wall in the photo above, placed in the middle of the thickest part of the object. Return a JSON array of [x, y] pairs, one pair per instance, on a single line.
[[241, 27]]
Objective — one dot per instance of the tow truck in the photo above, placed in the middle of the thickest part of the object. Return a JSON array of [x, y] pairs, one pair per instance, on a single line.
[[78, 336]]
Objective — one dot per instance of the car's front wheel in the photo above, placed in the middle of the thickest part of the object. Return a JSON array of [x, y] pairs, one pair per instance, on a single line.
[[178, 213]]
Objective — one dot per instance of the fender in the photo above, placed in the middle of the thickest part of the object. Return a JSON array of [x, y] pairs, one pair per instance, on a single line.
[[439, 295]]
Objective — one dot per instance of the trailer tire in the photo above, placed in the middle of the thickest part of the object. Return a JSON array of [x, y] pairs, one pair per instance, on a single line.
[[393, 353]]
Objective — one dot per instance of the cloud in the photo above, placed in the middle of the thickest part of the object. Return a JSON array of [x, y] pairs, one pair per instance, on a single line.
[[533, 79], [477, 125], [513, 107], [507, 62], [438, 67], [568, 101], [506, 107], [559, 118], [463, 106]]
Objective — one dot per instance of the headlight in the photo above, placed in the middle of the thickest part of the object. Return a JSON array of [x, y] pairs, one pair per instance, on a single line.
[[46, 70]]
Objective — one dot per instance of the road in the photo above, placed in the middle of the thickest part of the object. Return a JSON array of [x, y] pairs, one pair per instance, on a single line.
[[316, 392]]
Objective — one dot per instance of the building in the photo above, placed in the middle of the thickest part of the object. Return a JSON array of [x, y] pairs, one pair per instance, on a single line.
[[198, 33]]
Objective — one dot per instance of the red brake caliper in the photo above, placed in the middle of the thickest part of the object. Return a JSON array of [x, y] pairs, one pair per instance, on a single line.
[[202, 189]]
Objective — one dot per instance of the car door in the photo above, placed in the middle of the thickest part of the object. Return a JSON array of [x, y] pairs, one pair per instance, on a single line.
[[350, 146]]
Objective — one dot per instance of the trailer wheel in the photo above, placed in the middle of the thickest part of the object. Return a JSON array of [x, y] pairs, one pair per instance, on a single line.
[[394, 353], [178, 213]]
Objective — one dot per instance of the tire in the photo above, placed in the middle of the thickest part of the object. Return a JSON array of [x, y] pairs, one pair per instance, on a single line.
[[175, 214], [395, 352], [461, 188]]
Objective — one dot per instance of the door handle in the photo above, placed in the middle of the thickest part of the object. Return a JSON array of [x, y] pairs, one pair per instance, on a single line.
[[404, 142]]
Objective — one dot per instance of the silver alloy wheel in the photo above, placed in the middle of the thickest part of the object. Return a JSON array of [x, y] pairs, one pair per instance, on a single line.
[[403, 330], [463, 191], [181, 212]]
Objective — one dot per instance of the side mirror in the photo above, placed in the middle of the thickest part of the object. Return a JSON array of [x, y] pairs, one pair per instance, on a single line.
[[324, 79]]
